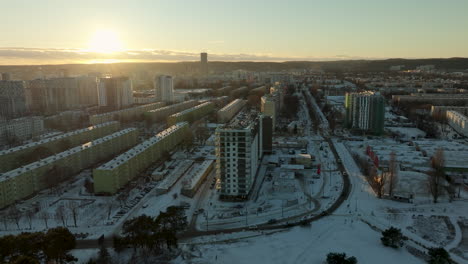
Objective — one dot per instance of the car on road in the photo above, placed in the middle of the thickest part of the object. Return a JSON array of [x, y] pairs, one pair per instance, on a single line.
[[253, 227], [272, 221]]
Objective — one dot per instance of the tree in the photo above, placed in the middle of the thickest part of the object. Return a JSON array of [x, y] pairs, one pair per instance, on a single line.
[[59, 242], [30, 216], [340, 258], [25, 260], [392, 237], [392, 173], [103, 256], [45, 217], [439, 256], [73, 207], [15, 215], [435, 178], [378, 181], [61, 214]]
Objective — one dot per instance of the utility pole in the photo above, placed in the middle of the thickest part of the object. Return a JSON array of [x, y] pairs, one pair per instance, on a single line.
[[282, 208], [206, 215], [246, 213]]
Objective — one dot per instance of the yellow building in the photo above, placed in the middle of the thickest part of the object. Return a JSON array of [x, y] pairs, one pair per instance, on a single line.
[[114, 174], [25, 181], [10, 158], [163, 112], [191, 114], [124, 114]]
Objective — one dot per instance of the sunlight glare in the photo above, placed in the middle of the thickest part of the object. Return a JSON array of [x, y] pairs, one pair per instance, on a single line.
[[105, 41]]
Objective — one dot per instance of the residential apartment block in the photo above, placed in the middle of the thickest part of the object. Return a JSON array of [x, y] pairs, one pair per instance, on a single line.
[[162, 113], [239, 149], [191, 114], [365, 112], [458, 121], [230, 110], [115, 93], [20, 129], [114, 174], [9, 158], [127, 114], [27, 180], [12, 99]]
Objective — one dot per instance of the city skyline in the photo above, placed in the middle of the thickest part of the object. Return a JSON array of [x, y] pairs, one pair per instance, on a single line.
[[123, 31]]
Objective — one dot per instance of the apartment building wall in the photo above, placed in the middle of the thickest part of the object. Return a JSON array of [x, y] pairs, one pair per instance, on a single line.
[[12, 99], [127, 114], [23, 182], [162, 113], [229, 111], [191, 114], [10, 158], [114, 174]]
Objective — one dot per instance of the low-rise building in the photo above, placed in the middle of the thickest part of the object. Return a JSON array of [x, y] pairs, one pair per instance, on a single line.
[[27, 180], [162, 113], [113, 175], [458, 122], [226, 113], [127, 114], [196, 176], [191, 114], [10, 158]]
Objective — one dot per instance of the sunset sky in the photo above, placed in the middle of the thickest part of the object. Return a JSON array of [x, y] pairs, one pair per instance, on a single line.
[[58, 31]]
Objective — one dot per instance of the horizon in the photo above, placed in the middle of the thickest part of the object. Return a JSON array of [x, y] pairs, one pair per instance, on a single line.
[[157, 31]]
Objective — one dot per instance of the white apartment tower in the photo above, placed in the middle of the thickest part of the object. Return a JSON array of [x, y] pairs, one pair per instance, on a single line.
[[164, 88], [239, 148]]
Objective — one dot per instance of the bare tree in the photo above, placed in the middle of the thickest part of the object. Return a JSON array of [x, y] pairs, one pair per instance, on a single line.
[[378, 182], [61, 214], [392, 173], [45, 217], [73, 206], [15, 215], [5, 221], [435, 178], [110, 206], [30, 216]]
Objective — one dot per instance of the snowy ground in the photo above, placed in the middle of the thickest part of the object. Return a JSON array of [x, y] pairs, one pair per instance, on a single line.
[[303, 245]]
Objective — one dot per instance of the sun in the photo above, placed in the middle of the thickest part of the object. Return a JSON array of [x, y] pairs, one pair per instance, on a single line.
[[105, 41]]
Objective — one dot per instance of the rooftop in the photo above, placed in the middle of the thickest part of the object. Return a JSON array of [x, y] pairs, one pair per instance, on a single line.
[[43, 141], [124, 157], [242, 120], [50, 159]]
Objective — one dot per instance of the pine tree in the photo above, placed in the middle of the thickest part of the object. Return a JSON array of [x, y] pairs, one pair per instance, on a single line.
[[392, 237]]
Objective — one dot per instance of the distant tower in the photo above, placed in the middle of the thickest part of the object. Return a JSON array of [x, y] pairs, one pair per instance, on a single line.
[[63, 73], [164, 88], [6, 76], [204, 62], [115, 93]]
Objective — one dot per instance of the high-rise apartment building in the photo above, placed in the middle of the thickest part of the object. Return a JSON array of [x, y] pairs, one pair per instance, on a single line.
[[6, 76], [54, 95], [239, 149], [164, 88], [270, 107], [204, 63], [88, 90], [365, 111], [20, 129], [115, 93], [12, 99]]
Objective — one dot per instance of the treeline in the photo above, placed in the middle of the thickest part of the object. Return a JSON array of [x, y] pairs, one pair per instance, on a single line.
[[151, 237], [38, 247]]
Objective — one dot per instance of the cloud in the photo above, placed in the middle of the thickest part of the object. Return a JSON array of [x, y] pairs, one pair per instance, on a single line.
[[15, 56]]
